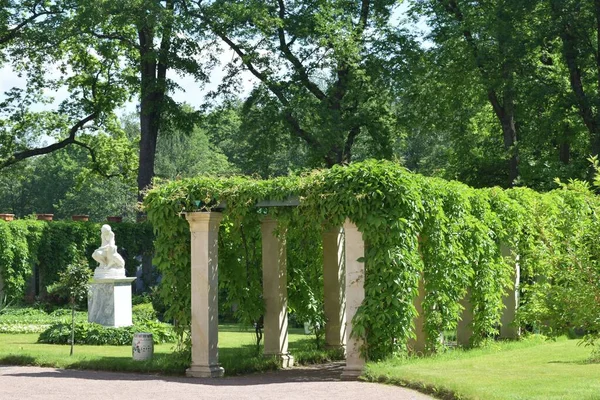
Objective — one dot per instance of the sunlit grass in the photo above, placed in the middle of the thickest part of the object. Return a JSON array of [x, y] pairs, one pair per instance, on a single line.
[[237, 354], [530, 369]]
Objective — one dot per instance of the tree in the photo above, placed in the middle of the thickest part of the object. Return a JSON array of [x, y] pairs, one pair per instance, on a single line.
[[156, 38], [66, 182], [108, 50], [493, 43], [73, 284], [52, 55], [17, 16], [577, 24], [318, 67]]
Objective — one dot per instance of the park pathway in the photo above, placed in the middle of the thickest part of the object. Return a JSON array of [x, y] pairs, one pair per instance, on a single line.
[[307, 383]]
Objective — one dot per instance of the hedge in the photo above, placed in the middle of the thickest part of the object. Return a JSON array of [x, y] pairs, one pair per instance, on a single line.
[[52, 245]]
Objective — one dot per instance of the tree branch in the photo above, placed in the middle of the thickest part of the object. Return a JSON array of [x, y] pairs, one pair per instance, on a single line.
[[22, 155], [298, 67], [94, 159], [120, 38], [14, 32]]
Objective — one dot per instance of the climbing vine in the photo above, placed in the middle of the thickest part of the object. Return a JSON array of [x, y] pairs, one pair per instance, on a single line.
[[446, 234]]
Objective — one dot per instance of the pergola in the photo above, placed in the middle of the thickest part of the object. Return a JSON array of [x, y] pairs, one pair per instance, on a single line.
[[343, 280]]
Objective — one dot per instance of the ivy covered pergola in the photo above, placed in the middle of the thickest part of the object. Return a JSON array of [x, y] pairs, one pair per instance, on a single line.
[[404, 257], [343, 280]]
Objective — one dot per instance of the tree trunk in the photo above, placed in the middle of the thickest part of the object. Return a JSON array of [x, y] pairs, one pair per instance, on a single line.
[[510, 139], [150, 104], [72, 326], [506, 116], [153, 71]]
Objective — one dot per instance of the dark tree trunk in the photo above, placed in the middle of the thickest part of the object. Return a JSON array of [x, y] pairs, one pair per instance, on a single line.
[[564, 146], [590, 118], [153, 71], [506, 116]]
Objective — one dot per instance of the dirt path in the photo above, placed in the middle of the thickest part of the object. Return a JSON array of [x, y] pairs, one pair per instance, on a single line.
[[310, 383]]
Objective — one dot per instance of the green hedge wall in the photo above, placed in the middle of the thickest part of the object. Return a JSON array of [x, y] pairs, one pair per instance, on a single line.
[[461, 230], [53, 245]]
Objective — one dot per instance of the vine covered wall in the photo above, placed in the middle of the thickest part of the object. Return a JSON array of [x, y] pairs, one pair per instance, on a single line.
[[446, 233], [51, 246]]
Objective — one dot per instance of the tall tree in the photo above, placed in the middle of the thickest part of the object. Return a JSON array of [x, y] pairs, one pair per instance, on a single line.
[[493, 40], [577, 24], [157, 40], [319, 61]]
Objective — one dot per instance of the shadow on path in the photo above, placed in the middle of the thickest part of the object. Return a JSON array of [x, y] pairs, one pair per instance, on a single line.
[[314, 373]]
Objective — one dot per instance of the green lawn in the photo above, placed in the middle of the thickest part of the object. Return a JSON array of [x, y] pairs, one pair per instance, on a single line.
[[236, 354], [530, 369]]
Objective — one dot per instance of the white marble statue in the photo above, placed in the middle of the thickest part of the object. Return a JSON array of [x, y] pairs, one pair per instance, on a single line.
[[111, 262]]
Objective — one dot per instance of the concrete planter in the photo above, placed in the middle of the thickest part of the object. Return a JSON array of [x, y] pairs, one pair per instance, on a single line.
[[81, 218], [7, 217], [45, 217], [114, 219]]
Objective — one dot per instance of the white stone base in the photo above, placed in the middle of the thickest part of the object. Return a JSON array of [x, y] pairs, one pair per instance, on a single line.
[[351, 374], [109, 302], [284, 360], [204, 371]]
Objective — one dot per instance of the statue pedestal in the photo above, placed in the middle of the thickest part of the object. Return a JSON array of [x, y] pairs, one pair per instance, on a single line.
[[109, 301]]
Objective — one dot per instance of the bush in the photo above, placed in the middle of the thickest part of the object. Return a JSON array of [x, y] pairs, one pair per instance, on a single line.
[[143, 312], [96, 334]]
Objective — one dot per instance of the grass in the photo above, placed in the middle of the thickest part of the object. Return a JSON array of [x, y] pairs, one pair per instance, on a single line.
[[529, 369], [237, 354]]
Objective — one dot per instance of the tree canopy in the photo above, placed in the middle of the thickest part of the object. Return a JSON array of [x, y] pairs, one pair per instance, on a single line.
[[489, 93]]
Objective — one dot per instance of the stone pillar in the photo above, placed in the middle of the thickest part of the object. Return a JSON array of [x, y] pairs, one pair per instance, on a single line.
[[511, 298], [464, 329], [418, 345], [274, 262], [334, 289], [355, 294], [204, 229]]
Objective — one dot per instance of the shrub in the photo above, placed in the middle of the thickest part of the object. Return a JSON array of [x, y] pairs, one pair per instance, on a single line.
[[143, 312], [96, 334]]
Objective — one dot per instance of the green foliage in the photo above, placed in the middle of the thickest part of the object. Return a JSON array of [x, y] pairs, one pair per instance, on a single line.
[[95, 334], [143, 312], [52, 246], [73, 282], [461, 233], [19, 243], [32, 320]]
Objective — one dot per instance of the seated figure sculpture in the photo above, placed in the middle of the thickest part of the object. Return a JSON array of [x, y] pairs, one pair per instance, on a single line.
[[111, 262]]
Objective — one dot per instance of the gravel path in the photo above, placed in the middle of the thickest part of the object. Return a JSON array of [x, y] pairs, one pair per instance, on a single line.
[[309, 383]]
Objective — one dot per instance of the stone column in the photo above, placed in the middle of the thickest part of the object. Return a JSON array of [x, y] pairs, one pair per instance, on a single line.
[[204, 228], [418, 345], [334, 289], [511, 298], [464, 329], [355, 294], [274, 262]]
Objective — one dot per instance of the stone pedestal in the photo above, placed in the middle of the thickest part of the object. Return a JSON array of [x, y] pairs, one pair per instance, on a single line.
[[109, 301], [274, 262], [334, 289], [355, 294], [204, 229]]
